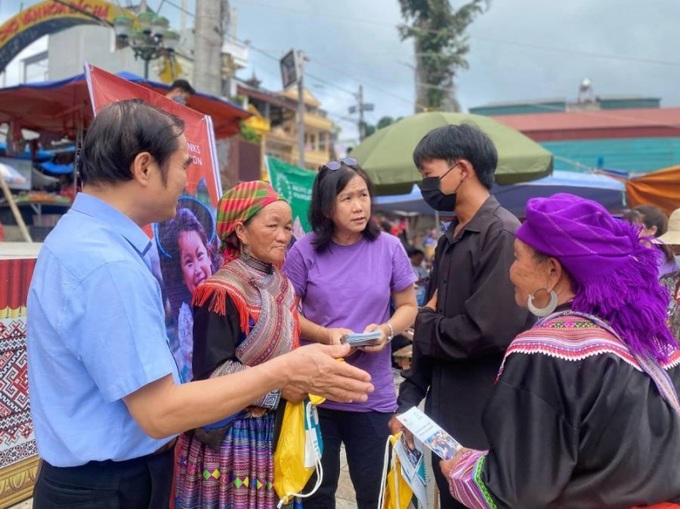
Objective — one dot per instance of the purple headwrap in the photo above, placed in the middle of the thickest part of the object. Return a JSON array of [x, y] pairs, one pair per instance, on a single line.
[[615, 277]]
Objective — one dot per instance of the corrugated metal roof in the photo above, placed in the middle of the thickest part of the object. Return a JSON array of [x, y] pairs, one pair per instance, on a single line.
[[598, 119], [640, 155]]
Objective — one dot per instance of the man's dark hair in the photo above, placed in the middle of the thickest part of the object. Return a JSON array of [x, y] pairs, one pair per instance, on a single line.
[[455, 142], [121, 131], [184, 86], [328, 184]]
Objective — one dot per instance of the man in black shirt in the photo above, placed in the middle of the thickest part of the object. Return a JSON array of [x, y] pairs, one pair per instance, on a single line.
[[471, 317]]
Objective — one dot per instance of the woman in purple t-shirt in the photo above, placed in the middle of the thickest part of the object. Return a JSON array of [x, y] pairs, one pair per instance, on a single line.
[[345, 274]]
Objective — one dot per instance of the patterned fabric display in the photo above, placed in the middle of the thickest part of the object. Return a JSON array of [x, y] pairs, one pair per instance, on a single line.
[[17, 442]]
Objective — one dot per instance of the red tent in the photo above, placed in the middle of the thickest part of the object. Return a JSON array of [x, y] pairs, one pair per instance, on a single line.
[[63, 107]]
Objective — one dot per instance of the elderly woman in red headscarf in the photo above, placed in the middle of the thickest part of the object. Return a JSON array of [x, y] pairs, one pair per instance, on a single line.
[[584, 413], [244, 315]]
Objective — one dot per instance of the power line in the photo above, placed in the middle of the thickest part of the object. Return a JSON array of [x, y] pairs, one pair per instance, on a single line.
[[579, 52], [536, 103], [180, 8], [344, 72], [484, 39], [340, 117]]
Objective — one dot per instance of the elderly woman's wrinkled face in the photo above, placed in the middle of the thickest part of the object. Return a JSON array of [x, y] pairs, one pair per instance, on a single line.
[[269, 232], [528, 273]]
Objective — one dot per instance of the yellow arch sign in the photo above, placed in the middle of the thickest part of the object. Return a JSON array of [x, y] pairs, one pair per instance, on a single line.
[[49, 17]]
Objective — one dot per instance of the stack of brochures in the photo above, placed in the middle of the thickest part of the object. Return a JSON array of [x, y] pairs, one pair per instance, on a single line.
[[362, 339]]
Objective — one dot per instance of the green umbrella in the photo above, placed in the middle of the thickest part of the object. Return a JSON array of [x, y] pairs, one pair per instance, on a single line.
[[387, 155]]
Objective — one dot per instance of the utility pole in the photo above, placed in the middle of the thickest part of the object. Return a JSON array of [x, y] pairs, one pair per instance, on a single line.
[[361, 107], [208, 46], [301, 110]]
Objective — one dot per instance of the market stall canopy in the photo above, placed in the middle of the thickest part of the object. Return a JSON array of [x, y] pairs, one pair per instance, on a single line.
[[660, 188], [10, 175], [605, 190], [387, 155], [63, 107]]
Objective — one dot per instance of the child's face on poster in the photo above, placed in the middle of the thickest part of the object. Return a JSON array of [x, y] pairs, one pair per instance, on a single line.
[[194, 258]]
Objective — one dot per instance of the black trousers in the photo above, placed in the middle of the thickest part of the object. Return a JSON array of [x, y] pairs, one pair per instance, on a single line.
[[140, 483], [446, 501], [364, 435]]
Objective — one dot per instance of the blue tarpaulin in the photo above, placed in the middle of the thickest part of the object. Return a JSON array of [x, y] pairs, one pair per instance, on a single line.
[[42, 155], [57, 169]]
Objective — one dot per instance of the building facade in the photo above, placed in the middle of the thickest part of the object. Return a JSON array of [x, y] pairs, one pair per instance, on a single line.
[[633, 134], [278, 112]]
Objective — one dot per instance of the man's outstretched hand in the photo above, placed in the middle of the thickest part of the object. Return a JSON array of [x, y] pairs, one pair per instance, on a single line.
[[315, 369]]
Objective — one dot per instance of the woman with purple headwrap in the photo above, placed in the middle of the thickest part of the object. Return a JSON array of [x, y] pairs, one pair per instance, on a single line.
[[584, 413]]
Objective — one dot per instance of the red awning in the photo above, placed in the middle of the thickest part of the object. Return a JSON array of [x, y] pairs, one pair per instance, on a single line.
[[63, 107]]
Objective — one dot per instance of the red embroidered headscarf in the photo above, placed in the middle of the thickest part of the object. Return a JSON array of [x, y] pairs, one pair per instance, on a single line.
[[237, 205]]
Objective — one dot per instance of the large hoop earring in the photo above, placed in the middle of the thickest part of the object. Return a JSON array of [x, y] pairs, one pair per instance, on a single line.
[[545, 311]]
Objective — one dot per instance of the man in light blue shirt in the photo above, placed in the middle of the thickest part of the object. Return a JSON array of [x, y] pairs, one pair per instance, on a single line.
[[105, 397], [99, 301]]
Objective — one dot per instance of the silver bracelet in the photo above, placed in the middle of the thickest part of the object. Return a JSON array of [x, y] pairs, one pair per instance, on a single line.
[[391, 336]]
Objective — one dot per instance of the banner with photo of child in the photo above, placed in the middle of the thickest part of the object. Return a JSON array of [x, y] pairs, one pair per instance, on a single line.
[[185, 248]]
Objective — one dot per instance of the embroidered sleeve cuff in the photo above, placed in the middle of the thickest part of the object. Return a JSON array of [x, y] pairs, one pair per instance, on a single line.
[[269, 400], [465, 482]]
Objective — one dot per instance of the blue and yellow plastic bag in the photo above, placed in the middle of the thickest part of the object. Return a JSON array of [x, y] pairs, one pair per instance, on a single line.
[[298, 451], [396, 492]]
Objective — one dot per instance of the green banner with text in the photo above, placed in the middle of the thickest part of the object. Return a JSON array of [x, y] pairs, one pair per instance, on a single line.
[[295, 185]]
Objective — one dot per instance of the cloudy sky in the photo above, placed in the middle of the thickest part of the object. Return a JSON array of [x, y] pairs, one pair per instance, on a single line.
[[520, 50]]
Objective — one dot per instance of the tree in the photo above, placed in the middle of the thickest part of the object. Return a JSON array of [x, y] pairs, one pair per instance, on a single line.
[[383, 122], [440, 44]]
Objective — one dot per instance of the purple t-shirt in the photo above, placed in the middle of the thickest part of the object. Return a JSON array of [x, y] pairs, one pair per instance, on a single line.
[[351, 287]]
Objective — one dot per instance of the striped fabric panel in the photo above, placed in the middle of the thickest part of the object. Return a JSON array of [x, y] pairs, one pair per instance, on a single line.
[[466, 483], [574, 337], [570, 338]]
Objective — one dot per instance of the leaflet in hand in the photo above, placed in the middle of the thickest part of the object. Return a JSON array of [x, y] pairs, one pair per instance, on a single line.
[[362, 338], [430, 433]]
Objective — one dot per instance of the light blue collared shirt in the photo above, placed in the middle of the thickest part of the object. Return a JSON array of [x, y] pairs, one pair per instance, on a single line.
[[96, 333]]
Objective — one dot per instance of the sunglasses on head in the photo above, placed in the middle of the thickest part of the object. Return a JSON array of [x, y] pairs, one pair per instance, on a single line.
[[335, 165]]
